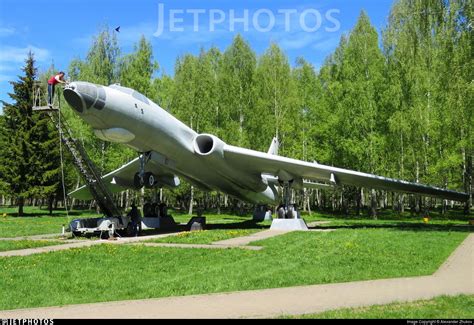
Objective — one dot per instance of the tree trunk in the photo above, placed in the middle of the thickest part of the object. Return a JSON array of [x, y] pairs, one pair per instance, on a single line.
[[21, 203], [191, 201], [373, 204], [444, 207], [142, 198], [401, 202], [358, 201], [127, 199], [308, 201], [468, 183], [418, 205], [50, 205], [362, 197]]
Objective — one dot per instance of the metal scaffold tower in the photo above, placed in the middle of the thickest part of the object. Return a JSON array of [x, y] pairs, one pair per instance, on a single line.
[[81, 160]]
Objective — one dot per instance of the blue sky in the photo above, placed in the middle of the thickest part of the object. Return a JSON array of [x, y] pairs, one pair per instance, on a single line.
[[59, 31]]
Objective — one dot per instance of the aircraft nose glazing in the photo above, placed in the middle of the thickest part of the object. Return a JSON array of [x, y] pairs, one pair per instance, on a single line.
[[84, 95]]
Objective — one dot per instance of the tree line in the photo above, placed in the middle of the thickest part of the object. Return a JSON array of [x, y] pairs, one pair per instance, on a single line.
[[399, 104]]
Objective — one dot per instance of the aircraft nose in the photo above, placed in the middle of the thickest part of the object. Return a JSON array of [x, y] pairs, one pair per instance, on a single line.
[[84, 95]]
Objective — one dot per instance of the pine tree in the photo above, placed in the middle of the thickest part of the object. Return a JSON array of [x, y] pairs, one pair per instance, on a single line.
[[18, 155]]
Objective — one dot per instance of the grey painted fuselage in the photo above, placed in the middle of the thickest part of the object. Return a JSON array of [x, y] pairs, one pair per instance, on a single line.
[[119, 114]]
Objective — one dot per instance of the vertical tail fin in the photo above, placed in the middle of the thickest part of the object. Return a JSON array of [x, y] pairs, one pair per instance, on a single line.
[[273, 150]]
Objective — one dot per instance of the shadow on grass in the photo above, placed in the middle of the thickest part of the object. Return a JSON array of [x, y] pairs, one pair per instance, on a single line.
[[390, 215], [248, 224], [402, 226]]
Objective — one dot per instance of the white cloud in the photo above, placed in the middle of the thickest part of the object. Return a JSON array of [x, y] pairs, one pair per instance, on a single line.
[[6, 31], [15, 54], [328, 44], [12, 59], [299, 40]]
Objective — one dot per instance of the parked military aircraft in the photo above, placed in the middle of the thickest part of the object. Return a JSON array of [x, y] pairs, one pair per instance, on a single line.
[[170, 150]]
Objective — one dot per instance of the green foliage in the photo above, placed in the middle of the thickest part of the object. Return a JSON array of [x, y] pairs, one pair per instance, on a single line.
[[236, 84], [138, 68], [275, 104]]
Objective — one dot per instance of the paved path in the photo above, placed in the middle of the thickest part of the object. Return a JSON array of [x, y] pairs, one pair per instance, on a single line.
[[245, 240], [79, 243], [34, 237], [454, 277], [240, 242]]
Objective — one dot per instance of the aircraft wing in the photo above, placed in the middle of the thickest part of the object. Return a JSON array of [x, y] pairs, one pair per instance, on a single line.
[[122, 178], [287, 169]]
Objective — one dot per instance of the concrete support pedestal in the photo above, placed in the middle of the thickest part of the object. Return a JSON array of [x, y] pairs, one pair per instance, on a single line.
[[288, 224]]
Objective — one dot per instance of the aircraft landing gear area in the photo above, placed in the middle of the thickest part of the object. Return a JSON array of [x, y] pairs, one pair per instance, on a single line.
[[288, 216], [143, 178]]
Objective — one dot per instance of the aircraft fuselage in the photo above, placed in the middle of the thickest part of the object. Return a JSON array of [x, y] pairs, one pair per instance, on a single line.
[[122, 115]]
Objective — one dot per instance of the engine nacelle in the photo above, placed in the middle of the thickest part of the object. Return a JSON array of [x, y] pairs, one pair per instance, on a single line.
[[209, 145]]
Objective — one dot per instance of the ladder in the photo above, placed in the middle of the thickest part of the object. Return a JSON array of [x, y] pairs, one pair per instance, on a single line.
[[81, 160]]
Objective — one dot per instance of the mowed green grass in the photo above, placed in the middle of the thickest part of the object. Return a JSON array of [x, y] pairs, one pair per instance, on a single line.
[[120, 272], [36, 221], [457, 307], [9, 245], [205, 236]]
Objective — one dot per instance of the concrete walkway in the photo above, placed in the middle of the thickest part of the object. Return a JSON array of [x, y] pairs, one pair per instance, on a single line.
[[68, 244], [454, 277], [240, 242], [245, 240], [34, 237]]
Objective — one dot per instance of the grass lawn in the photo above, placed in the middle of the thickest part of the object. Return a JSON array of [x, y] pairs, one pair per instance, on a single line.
[[120, 272], [205, 237], [36, 221], [457, 307], [9, 245]]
